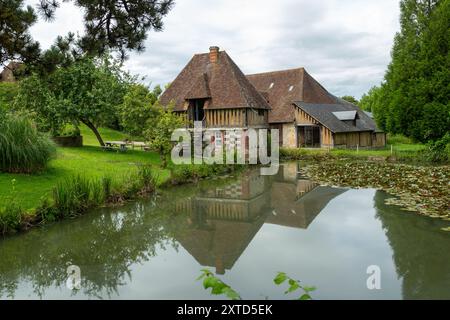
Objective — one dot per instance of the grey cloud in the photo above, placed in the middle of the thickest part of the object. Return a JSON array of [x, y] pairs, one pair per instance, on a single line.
[[344, 44]]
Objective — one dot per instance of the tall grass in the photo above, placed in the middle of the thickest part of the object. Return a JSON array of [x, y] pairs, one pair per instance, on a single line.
[[78, 193], [74, 196], [398, 139], [23, 149]]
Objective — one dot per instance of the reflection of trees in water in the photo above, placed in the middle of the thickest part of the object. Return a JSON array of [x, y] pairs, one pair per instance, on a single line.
[[103, 245], [421, 251]]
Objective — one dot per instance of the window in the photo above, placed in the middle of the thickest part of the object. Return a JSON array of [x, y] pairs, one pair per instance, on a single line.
[[197, 111]]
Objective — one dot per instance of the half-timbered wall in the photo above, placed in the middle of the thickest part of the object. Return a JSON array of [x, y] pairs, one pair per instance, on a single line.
[[257, 118], [326, 136], [225, 118], [234, 118]]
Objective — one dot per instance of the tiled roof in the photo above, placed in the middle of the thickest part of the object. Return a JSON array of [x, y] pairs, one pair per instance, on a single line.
[[325, 114], [223, 82], [285, 87]]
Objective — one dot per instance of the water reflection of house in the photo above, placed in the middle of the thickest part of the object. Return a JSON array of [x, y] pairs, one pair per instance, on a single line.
[[296, 201], [222, 221]]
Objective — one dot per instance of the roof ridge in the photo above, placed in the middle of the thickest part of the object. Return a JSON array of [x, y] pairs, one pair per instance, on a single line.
[[275, 71], [234, 69]]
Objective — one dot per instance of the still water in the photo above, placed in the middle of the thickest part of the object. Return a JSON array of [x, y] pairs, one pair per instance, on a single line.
[[245, 230]]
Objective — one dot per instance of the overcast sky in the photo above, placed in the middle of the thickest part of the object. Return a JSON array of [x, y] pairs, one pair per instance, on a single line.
[[344, 44]]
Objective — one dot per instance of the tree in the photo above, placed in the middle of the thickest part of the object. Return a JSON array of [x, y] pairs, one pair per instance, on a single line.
[[375, 102], [89, 91], [137, 108], [159, 131], [35, 99], [351, 99], [419, 73], [110, 25], [15, 39]]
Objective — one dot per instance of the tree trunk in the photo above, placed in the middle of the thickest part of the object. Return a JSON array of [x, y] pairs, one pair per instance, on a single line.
[[91, 126]]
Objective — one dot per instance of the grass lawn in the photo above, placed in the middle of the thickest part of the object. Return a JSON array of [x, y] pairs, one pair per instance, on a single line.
[[399, 150], [90, 160]]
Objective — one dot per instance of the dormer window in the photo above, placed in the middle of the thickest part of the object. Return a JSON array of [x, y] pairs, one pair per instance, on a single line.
[[348, 117]]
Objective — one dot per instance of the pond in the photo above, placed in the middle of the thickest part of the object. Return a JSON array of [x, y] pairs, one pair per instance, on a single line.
[[245, 230]]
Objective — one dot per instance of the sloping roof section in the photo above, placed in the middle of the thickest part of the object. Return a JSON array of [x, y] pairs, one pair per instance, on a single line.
[[300, 212], [325, 114], [222, 82], [200, 88], [285, 87]]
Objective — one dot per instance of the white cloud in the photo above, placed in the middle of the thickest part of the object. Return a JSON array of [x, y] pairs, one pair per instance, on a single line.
[[344, 44]]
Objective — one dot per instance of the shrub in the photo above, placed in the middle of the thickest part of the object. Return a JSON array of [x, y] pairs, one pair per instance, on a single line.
[[22, 148], [438, 151], [10, 217], [69, 130]]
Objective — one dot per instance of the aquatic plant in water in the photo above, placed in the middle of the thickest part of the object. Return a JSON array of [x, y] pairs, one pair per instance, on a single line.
[[421, 189]]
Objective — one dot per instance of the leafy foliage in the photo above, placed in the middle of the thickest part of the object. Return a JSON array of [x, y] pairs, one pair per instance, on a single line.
[[137, 108], [115, 25], [413, 100], [294, 285], [159, 131], [370, 101], [8, 91], [17, 154], [88, 91], [218, 287], [36, 100], [112, 25], [15, 39], [438, 151], [351, 99]]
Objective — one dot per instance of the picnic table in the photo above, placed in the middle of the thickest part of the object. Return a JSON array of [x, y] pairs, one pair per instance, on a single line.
[[115, 145], [123, 145], [137, 144]]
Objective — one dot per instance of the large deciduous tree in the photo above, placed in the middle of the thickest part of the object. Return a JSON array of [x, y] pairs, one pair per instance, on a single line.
[[416, 90], [89, 92]]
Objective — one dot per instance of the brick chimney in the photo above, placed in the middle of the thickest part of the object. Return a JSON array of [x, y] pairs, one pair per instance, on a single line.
[[213, 54]]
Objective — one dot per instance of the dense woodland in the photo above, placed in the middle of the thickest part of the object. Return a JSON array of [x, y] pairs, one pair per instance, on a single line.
[[413, 99]]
